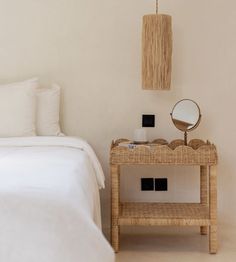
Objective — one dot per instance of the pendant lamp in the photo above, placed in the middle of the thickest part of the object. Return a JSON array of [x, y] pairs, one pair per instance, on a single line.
[[156, 51]]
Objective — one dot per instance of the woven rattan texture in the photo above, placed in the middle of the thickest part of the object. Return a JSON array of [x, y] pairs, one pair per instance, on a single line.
[[164, 210], [197, 152]]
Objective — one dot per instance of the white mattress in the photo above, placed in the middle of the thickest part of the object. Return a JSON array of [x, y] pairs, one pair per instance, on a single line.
[[49, 201]]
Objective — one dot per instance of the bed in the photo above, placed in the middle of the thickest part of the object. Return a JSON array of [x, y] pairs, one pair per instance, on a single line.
[[49, 201]]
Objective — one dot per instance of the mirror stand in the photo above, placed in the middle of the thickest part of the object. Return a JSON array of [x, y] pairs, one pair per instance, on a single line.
[[185, 138]]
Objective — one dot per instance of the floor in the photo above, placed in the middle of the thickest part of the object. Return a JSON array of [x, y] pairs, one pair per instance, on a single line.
[[178, 245]]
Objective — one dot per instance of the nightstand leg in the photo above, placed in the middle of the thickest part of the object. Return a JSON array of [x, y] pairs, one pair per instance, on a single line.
[[115, 204], [203, 193], [213, 210], [115, 238]]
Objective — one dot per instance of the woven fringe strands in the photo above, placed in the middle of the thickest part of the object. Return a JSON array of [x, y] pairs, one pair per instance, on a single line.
[[156, 52]]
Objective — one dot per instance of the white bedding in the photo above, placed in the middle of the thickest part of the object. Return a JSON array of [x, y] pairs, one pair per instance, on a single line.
[[49, 201]]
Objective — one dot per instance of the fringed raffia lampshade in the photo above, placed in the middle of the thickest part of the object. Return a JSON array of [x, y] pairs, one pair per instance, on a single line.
[[156, 52]]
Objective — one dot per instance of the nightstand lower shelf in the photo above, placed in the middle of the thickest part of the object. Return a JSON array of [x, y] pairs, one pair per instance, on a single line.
[[163, 214]]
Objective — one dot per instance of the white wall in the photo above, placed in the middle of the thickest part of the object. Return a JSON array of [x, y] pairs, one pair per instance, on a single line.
[[92, 48]]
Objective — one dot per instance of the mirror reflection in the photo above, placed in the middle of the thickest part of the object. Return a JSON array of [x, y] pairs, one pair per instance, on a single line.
[[186, 115]]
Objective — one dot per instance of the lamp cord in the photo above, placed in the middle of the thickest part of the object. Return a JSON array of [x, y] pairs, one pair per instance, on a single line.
[[156, 6]]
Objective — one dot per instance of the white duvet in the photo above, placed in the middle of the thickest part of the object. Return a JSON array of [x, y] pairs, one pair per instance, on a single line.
[[49, 201]]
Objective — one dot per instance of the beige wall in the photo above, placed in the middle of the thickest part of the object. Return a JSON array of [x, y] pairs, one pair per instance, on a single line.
[[92, 48]]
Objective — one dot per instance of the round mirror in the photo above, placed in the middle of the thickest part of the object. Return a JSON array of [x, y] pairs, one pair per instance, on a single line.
[[186, 115]]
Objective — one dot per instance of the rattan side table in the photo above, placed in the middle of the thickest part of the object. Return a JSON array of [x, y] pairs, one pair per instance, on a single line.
[[160, 152]]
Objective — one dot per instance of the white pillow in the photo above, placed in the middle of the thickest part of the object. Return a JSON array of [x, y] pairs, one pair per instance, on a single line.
[[48, 111], [17, 108]]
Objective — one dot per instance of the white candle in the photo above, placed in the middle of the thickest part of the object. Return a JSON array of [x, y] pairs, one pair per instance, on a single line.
[[140, 135]]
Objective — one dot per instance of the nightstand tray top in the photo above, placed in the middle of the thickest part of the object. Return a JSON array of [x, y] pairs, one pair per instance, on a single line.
[[159, 151]]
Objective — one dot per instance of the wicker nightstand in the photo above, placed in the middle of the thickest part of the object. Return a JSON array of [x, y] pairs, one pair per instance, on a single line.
[[160, 152]]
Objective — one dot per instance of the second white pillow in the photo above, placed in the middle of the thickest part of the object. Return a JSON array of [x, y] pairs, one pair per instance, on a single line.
[[48, 111]]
